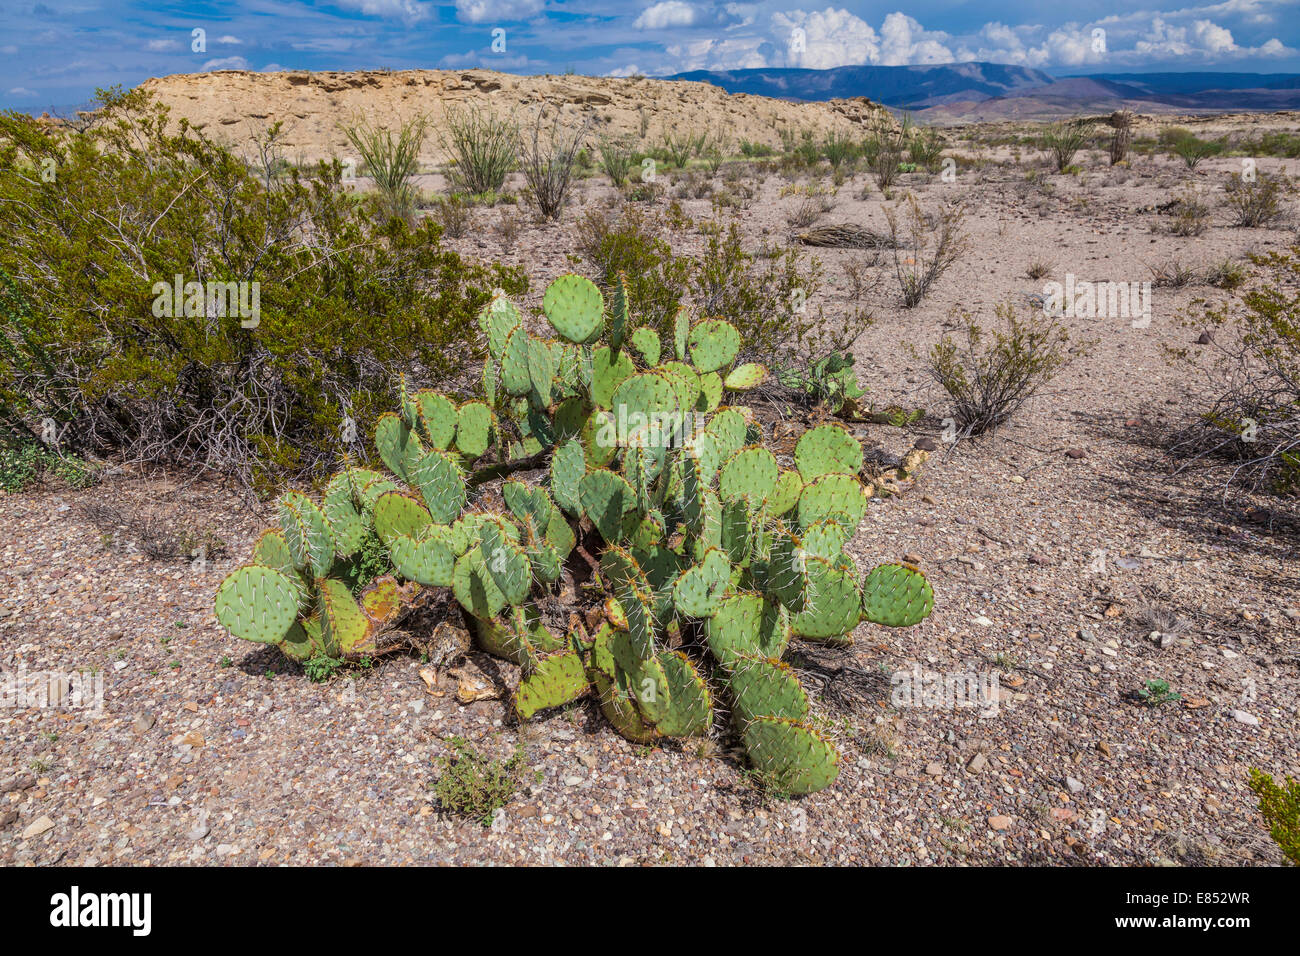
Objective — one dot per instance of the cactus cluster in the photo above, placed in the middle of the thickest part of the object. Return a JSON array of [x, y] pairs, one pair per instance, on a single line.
[[693, 556]]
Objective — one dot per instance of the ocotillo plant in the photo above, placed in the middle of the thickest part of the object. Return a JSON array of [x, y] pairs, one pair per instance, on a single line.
[[656, 511]]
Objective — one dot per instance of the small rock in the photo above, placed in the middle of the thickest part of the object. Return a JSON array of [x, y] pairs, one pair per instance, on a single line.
[[572, 781], [37, 827], [912, 558], [1074, 786], [1205, 338], [143, 722], [1000, 822], [1075, 453], [199, 832], [1103, 747], [934, 768], [1242, 717], [926, 443], [982, 621], [8, 817], [977, 763], [24, 782]]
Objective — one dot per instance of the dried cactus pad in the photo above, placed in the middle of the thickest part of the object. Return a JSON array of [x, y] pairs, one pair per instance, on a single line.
[[257, 603], [575, 308]]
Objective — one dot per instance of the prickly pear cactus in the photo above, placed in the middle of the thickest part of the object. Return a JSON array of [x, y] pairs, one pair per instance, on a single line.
[[605, 470]]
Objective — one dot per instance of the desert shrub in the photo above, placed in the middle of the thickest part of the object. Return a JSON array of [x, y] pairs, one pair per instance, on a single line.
[[990, 374], [548, 154], [391, 158], [24, 462], [1257, 202], [814, 203], [924, 247], [633, 245], [474, 786], [883, 149], [1188, 147], [158, 533], [1062, 139], [1252, 421], [482, 146], [1191, 216], [1039, 269], [1226, 274], [755, 150], [681, 146], [616, 159], [1278, 143], [839, 149], [507, 228], [926, 150], [1171, 274], [346, 300], [453, 214], [1280, 807]]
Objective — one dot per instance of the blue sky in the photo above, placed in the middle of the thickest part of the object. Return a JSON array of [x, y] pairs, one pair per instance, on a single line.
[[54, 53]]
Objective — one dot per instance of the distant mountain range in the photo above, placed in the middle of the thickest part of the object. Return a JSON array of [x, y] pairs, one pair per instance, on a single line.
[[966, 92]]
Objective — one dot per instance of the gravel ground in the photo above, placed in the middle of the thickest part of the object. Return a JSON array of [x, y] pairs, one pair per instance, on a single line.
[[1055, 550]]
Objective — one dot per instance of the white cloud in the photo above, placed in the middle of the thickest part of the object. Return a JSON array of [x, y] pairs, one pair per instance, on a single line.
[[21, 91], [670, 13], [228, 40], [825, 39], [226, 63], [905, 41], [158, 46], [272, 68], [630, 70], [496, 11], [9, 49], [408, 11]]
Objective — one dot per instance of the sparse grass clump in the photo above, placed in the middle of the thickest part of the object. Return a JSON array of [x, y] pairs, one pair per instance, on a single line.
[[616, 159], [1061, 140], [990, 374], [1191, 216]]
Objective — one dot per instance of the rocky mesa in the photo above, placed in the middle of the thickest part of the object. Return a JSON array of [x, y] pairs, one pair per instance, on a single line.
[[233, 105]]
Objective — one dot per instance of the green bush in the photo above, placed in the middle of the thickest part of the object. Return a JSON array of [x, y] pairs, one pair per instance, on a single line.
[[23, 464], [474, 786], [1281, 809], [100, 220], [1190, 149], [482, 147]]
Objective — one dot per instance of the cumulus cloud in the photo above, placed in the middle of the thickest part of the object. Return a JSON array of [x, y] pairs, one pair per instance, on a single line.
[[408, 11], [159, 46], [226, 63], [21, 91], [904, 41], [670, 13], [824, 39], [496, 11]]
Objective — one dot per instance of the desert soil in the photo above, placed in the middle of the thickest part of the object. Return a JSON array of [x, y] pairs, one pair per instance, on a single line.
[[1055, 550]]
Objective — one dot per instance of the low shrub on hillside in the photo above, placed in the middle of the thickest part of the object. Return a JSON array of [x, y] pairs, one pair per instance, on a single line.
[[161, 300]]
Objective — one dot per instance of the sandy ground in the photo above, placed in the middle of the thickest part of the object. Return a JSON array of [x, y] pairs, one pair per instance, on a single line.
[[1048, 568]]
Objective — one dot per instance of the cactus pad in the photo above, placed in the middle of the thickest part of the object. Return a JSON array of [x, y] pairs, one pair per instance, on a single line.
[[258, 604], [790, 756], [714, 344], [896, 595], [575, 308], [827, 449]]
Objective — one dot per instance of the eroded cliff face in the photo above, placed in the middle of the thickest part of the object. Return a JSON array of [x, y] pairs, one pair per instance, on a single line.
[[235, 105]]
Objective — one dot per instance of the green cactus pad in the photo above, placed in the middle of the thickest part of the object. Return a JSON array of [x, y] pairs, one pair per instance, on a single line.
[[730, 427], [896, 595], [708, 451], [271, 551], [609, 370], [785, 494], [710, 392], [373, 489], [568, 465], [827, 449], [474, 425], [498, 319], [690, 711], [621, 570], [256, 603], [744, 377], [825, 539], [686, 383], [620, 322], [541, 373], [396, 443], [748, 624], [833, 605], [558, 680], [344, 626], [681, 333], [619, 708], [647, 343], [528, 503], [429, 560], [303, 641], [764, 687], [436, 416], [474, 587], [644, 408], [347, 527], [514, 363], [837, 496], [737, 530], [506, 561], [307, 533], [714, 344], [575, 308], [700, 589], [441, 483], [606, 499], [399, 515], [789, 756], [750, 473]]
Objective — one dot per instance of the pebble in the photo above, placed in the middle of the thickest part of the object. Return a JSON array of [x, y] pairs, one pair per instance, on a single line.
[[37, 827], [934, 768], [1000, 822], [1074, 786], [977, 763], [1242, 717], [143, 722]]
